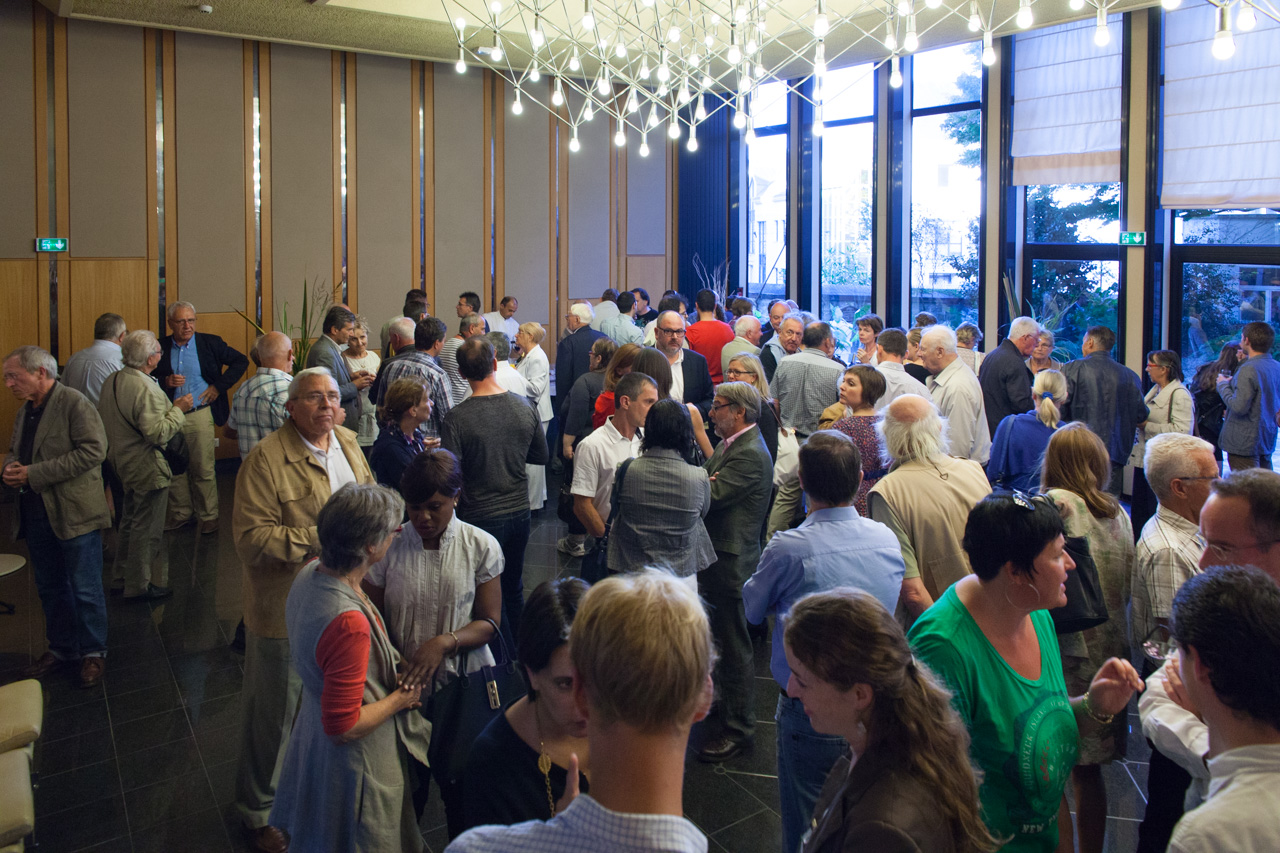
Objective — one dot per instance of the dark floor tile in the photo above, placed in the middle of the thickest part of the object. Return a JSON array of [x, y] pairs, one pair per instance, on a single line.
[[134, 627], [62, 791], [197, 833], [166, 761], [219, 713], [766, 698], [116, 845], [147, 732], [1122, 836], [218, 745], [62, 688], [197, 688], [149, 674], [81, 719], [143, 703], [1138, 772], [209, 660], [88, 824], [759, 833], [222, 777], [147, 651], [166, 800], [1123, 797], [712, 800], [437, 839], [1136, 746], [763, 788], [73, 752]]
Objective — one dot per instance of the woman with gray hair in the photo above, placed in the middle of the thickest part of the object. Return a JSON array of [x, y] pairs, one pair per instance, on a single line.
[[1172, 409], [139, 420], [344, 781]]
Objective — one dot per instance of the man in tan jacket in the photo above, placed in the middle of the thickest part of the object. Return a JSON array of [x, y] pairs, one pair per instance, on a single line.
[[282, 484], [55, 463]]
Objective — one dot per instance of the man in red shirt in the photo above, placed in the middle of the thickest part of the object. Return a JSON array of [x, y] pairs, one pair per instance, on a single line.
[[709, 335]]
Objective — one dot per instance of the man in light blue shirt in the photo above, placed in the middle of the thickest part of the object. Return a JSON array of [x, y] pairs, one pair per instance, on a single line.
[[622, 325], [89, 368], [834, 547], [640, 702]]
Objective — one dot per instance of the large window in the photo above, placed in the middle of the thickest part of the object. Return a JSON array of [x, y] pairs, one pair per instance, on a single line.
[[847, 165], [767, 195], [946, 189]]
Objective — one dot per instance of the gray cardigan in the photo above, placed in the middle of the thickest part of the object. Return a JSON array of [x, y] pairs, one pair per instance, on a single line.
[[1252, 398], [661, 505]]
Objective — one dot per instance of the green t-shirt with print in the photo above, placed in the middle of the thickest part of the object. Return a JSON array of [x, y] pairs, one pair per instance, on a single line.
[[1024, 733]]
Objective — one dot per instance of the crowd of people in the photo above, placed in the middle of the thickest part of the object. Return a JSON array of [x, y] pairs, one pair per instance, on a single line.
[[911, 522]]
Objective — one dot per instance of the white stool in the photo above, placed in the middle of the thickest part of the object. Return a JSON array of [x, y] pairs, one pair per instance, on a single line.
[[10, 563]]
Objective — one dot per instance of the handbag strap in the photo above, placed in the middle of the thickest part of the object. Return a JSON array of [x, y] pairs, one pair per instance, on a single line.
[[614, 499]]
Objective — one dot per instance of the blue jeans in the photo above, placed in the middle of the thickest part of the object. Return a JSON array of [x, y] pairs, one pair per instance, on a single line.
[[512, 533], [804, 760], [68, 575]]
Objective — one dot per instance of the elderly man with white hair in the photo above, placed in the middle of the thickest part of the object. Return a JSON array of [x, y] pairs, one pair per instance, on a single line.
[[957, 393], [746, 338], [573, 353], [925, 500], [1004, 375]]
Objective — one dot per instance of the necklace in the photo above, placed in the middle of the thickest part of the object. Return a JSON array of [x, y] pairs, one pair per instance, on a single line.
[[544, 760]]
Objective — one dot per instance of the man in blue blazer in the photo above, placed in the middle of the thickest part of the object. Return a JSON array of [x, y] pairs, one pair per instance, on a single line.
[[205, 367], [573, 353], [326, 352], [1004, 376]]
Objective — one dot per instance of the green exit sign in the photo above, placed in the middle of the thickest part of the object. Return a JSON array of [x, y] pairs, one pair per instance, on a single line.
[[1133, 238], [52, 244]]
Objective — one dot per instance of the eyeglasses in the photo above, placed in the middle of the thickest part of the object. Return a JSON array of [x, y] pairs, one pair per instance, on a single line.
[[715, 407], [676, 332], [1210, 477], [315, 398], [733, 371], [1224, 554]]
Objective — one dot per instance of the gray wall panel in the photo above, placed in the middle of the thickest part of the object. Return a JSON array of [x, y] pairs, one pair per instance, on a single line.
[[17, 133], [527, 215], [646, 196], [459, 180], [589, 210]]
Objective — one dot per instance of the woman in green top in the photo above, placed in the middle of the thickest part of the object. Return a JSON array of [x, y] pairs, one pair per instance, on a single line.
[[990, 637]]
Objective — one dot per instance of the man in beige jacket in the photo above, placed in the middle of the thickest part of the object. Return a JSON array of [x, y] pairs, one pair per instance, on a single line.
[[282, 484]]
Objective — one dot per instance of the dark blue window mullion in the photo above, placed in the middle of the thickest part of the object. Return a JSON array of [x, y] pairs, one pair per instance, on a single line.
[[898, 270], [808, 189]]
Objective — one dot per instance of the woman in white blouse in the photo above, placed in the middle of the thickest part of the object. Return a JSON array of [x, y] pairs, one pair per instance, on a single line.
[[1172, 409], [536, 370], [437, 586]]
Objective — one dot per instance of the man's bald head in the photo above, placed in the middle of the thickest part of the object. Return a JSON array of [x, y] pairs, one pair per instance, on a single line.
[[913, 429], [275, 350]]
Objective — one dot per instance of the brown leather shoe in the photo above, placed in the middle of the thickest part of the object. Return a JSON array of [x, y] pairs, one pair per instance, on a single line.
[[210, 526], [91, 670], [269, 839], [46, 664]]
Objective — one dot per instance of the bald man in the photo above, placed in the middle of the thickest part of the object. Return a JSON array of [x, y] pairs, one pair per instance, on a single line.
[[258, 408]]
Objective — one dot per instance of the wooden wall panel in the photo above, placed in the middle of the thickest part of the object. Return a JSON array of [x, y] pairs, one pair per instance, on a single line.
[[383, 130], [232, 328], [301, 170], [589, 214], [649, 272], [646, 198], [459, 180], [527, 213], [94, 287], [106, 135], [17, 133], [209, 143], [18, 289]]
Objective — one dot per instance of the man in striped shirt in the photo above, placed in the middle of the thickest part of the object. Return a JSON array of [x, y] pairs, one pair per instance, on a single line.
[[258, 407], [419, 360]]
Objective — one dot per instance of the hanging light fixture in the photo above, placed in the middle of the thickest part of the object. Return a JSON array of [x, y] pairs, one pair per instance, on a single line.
[[911, 41], [517, 108], [557, 94], [1102, 33], [644, 147], [1224, 43], [588, 18], [461, 66], [1246, 18], [574, 145], [895, 72], [890, 39], [1025, 19], [620, 138], [1170, 4], [988, 49], [975, 23], [821, 26]]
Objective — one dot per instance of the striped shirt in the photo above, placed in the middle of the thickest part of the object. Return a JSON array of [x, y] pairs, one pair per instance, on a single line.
[[1168, 554], [459, 388], [804, 384], [419, 365], [586, 827], [258, 407]]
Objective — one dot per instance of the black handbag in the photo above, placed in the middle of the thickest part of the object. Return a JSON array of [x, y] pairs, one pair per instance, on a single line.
[[461, 709], [174, 451], [1085, 608]]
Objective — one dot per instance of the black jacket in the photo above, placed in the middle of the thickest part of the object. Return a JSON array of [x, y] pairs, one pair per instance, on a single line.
[[573, 356], [221, 367], [1006, 384], [697, 382]]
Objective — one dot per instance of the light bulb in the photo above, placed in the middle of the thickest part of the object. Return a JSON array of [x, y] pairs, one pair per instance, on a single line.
[[904, 7], [460, 23], [933, 4], [751, 47], [664, 73], [1076, 5], [890, 40], [692, 144], [818, 126], [740, 119], [684, 96], [620, 138], [750, 136], [1224, 44], [694, 59], [707, 82], [633, 105], [644, 69], [574, 145], [648, 4], [535, 73], [557, 94], [821, 26], [820, 60], [701, 112], [715, 19], [673, 34], [620, 49], [654, 121], [895, 73], [910, 42], [588, 21], [1246, 18], [575, 64], [536, 38], [662, 90], [734, 56], [1171, 4], [757, 71], [461, 67], [975, 23], [988, 49], [517, 107], [495, 7], [588, 112], [1025, 19], [709, 41], [740, 13], [644, 148], [602, 85], [1102, 35]]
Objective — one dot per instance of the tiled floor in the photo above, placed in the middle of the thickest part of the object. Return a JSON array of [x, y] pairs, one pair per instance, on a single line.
[[146, 762]]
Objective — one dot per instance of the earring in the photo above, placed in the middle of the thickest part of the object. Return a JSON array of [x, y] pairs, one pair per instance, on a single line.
[[1016, 606]]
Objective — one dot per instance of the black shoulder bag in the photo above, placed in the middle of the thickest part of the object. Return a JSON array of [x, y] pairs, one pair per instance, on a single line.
[[174, 451], [1085, 608]]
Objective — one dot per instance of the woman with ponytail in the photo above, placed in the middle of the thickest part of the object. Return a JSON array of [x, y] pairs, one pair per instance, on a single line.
[[1020, 440], [907, 784]]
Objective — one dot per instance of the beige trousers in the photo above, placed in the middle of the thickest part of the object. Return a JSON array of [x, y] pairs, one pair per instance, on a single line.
[[199, 479]]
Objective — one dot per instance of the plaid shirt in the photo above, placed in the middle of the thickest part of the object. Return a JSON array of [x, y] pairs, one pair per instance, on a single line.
[[1168, 554], [414, 364], [258, 408]]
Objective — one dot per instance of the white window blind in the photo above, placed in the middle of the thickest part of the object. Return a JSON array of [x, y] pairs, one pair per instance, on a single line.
[[1066, 105], [1221, 117]]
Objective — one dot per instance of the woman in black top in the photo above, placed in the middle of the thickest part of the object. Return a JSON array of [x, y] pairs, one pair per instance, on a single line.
[[519, 765], [405, 408]]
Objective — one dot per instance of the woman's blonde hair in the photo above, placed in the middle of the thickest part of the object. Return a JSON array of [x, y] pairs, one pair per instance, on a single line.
[[756, 367], [402, 395], [622, 359], [533, 330], [1078, 461], [1050, 390], [847, 637]]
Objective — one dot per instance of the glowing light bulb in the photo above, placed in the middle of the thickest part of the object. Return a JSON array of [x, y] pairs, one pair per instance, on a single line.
[[1246, 18], [574, 145], [750, 136], [644, 148], [644, 69], [495, 53], [975, 23], [602, 84], [751, 47], [694, 59], [620, 138], [904, 7], [557, 94], [707, 82], [740, 119], [495, 7], [709, 41], [740, 13], [673, 130], [700, 113], [575, 64], [895, 73], [517, 107], [715, 19], [1025, 19], [1224, 44], [664, 73], [1102, 35], [933, 4], [988, 49], [818, 126], [654, 121], [910, 42], [633, 104], [1171, 4], [820, 60], [1076, 5], [535, 73], [757, 71], [536, 38], [692, 144], [684, 96], [588, 112], [620, 50], [890, 40], [461, 67], [673, 35], [821, 26], [662, 90], [588, 19], [460, 23]]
